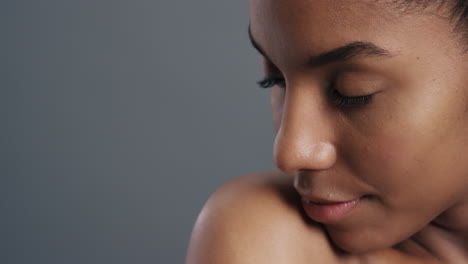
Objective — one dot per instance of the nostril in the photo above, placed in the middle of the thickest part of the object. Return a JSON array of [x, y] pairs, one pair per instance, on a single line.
[[291, 157]]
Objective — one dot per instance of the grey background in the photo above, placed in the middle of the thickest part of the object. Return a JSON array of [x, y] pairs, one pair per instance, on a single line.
[[119, 119]]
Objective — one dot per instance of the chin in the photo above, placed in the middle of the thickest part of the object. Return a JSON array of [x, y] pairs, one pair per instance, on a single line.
[[358, 242]]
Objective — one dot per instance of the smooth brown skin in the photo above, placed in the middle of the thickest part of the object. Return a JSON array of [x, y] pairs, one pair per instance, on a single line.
[[405, 149]]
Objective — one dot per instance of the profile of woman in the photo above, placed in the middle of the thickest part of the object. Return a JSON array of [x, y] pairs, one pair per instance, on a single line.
[[370, 108]]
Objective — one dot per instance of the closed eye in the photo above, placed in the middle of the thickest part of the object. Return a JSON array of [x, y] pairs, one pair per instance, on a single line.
[[337, 99], [342, 101]]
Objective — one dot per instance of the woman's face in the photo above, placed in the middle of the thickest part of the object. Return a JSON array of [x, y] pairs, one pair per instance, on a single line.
[[401, 149]]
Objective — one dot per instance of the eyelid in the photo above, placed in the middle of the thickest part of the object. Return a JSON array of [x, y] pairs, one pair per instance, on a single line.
[[354, 84], [343, 100]]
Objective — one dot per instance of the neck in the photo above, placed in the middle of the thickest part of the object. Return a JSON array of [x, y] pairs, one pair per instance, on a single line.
[[446, 237]]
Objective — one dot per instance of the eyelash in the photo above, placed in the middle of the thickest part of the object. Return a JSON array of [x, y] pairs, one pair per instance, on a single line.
[[270, 82], [337, 99]]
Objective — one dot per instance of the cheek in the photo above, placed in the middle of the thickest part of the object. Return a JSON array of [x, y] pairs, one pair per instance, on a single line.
[[388, 163], [408, 139], [413, 160]]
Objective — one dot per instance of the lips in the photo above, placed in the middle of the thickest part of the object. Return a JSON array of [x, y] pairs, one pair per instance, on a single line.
[[325, 211]]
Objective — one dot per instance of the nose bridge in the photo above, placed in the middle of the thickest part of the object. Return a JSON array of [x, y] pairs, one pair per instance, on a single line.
[[305, 138]]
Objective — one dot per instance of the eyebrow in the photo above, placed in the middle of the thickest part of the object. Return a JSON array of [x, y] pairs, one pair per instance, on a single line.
[[343, 53]]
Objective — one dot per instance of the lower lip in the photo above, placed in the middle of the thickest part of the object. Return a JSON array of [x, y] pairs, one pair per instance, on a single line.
[[328, 213]]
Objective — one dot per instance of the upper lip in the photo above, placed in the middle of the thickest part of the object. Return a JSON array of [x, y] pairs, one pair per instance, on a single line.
[[325, 191]]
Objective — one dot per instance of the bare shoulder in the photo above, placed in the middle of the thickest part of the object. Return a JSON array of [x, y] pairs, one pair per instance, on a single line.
[[256, 218]]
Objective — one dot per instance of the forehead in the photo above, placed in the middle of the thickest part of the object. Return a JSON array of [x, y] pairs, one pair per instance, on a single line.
[[315, 24], [298, 7], [359, 12], [312, 26]]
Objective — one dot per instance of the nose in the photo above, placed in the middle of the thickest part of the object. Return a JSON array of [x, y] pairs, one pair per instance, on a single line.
[[305, 138]]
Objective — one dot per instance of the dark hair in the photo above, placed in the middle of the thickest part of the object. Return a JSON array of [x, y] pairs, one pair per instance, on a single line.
[[457, 11]]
